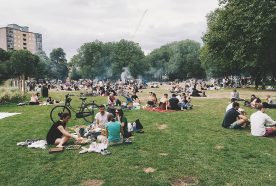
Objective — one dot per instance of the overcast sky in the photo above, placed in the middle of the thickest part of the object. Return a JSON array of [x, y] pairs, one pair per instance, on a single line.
[[70, 23]]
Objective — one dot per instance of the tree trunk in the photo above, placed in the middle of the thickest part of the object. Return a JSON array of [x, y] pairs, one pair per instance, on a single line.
[[23, 84]]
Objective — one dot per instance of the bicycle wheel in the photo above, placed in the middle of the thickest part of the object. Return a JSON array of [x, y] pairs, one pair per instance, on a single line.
[[57, 111], [89, 110]]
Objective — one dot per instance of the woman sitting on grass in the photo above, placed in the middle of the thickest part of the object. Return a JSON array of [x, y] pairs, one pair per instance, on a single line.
[[58, 135], [34, 99], [123, 120], [152, 100], [114, 131]]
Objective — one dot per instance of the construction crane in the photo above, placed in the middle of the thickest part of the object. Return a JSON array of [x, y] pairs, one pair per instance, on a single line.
[[139, 23]]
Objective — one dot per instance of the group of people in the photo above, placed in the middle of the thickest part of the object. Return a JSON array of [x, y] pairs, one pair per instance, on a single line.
[[114, 129], [260, 123], [175, 102]]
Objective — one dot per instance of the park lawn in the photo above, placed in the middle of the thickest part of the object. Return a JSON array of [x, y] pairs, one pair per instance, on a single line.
[[191, 144]]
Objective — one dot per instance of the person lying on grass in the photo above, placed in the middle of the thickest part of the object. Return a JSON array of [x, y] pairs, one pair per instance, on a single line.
[[114, 131], [233, 119], [261, 123], [58, 135]]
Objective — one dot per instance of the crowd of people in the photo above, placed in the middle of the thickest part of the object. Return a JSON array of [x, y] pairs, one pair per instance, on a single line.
[[113, 124]]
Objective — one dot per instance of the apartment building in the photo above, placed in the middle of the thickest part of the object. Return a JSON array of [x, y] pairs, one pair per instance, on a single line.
[[15, 37]]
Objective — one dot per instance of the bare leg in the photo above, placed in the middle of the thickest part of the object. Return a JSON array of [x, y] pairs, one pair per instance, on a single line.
[[60, 141]]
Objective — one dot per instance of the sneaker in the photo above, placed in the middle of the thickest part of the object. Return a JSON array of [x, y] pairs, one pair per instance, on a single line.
[[128, 141], [105, 152], [84, 150]]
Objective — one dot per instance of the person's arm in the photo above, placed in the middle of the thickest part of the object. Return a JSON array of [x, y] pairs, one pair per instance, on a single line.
[[122, 131], [269, 122], [106, 129], [66, 133], [242, 117]]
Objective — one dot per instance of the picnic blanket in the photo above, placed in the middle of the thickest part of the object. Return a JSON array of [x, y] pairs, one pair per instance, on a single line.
[[7, 114], [157, 110]]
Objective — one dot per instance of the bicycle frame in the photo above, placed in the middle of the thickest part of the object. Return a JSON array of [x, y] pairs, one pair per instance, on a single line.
[[68, 104]]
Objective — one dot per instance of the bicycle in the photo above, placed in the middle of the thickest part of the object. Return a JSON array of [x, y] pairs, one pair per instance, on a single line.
[[86, 110]]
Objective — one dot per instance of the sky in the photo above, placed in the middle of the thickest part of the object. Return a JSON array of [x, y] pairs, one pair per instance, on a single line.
[[70, 23]]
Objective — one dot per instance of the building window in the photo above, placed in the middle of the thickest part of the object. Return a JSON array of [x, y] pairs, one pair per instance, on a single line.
[[24, 48], [24, 35], [24, 39], [24, 43]]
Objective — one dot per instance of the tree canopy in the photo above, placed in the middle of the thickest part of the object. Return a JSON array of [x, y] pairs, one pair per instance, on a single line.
[[241, 39]]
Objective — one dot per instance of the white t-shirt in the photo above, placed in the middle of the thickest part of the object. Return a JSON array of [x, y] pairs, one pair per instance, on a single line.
[[235, 95], [229, 107], [259, 121], [102, 119]]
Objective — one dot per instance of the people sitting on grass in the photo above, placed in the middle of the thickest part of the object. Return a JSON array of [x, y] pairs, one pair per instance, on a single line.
[[152, 100], [254, 101], [101, 117], [114, 131], [231, 104], [58, 135], [34, 99], [164, 102], [236, 95], [184, 102], [261, 123], [135, 98], [112, 100], [269, 102], [233, 119], [51, 101], [173, 103]]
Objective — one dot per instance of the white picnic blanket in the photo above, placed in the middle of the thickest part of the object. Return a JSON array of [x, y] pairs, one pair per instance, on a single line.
[[7, 114]]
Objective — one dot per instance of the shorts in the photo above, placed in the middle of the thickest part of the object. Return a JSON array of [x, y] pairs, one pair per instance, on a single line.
[[235, 125], [269, 132]]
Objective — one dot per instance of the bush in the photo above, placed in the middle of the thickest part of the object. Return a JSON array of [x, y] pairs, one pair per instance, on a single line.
[[11, 95]]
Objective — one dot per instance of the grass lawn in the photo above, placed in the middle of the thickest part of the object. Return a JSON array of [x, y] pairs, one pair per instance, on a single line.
[[177, 145]]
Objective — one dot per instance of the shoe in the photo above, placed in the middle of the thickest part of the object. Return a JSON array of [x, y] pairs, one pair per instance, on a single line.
[[105, 152], [84, 150], [128, 141]]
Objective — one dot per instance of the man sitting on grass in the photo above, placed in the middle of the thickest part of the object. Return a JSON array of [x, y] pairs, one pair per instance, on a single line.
[[173, 103], [261, 123], [233, 119], [101, 117], [231, 104]]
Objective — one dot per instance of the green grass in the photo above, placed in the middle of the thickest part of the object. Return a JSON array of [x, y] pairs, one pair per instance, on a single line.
[[196, 144]]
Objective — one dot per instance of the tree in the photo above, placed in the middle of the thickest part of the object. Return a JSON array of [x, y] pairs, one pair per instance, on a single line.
[[58, 66], [178, 60], [4, 65], [23, 64], [107, 60], [128, 54], [244, 42]]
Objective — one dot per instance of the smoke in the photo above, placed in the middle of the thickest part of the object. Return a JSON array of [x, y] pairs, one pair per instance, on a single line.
[[155, 72], [125, 75]]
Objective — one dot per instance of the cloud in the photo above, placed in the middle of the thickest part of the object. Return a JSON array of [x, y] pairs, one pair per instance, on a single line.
[[70, 23]]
